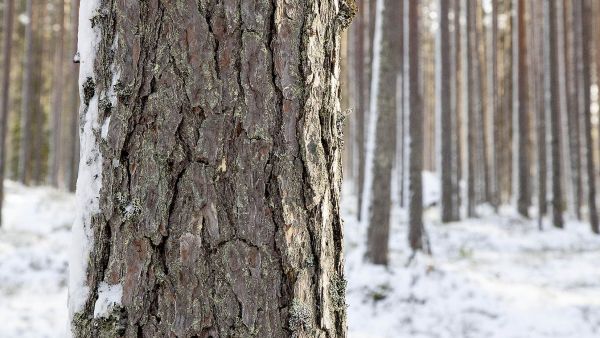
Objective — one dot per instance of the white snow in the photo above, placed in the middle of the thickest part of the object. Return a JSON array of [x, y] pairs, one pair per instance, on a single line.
[[34, 262], [108, 297], [90, 167], [493, 277]]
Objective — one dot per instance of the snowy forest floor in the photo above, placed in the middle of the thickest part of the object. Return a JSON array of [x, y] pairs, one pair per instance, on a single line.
[[497, 276]]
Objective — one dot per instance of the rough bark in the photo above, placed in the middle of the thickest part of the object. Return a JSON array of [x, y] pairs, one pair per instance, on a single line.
[[553, 110], [385, 138], [7, 29], [520, 118], [57, 99], [415, 125], [220, 169], [27, 100]]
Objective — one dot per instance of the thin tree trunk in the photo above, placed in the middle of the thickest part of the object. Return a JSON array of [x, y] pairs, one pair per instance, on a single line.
[[9, 9], [493, 104], [542, 177], [359, 84], [553, 110], [415, 125], [385, 138], [57, 99], [444, 110], [456, 121], [72, 158], [520, 107], [468, 107], [585, 9], [27, 100], [210, 171]]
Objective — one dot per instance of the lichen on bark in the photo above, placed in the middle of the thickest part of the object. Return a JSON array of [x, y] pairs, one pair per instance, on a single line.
[[221, 169]]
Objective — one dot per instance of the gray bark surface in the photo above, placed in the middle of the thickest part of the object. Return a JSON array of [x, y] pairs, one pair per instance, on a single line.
[[221, 169]]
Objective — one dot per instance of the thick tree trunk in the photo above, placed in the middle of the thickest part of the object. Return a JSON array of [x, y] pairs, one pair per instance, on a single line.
[[586, 25], [553, 110], [414, 110], [444, 111], [27, 99], [520, 107], [385, 137], [211, 169], [9, 9], [57, 99]]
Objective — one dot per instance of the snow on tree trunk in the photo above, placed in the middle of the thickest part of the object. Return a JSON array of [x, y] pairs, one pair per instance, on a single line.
[[211, 170], [385, 137]]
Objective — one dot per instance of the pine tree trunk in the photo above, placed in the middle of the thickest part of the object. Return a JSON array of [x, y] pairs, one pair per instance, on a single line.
[[493, 104], [27, 99], [468, 107], [210, 170], [585, 10], [385, 138], [359, 99], [520, 118], [57, 99], [72, 158], [553, 110], [7, 29], [456, 120], [540, 117], [444, 110], [415, 125]]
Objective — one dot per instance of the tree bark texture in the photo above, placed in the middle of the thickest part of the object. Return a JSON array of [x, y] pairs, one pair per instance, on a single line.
[[220, 169]]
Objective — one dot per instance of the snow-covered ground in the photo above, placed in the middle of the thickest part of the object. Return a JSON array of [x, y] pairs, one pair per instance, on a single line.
[[34, 262], [492, 277]]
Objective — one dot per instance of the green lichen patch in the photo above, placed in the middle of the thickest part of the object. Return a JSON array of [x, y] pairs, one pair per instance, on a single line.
[[337, 292], [300, 316]]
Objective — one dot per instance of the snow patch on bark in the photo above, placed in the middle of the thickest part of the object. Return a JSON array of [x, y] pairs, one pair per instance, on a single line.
[[90, 167], [109, 296]]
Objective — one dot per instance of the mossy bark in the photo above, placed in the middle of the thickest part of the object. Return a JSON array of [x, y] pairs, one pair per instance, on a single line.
[[221, 169]]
